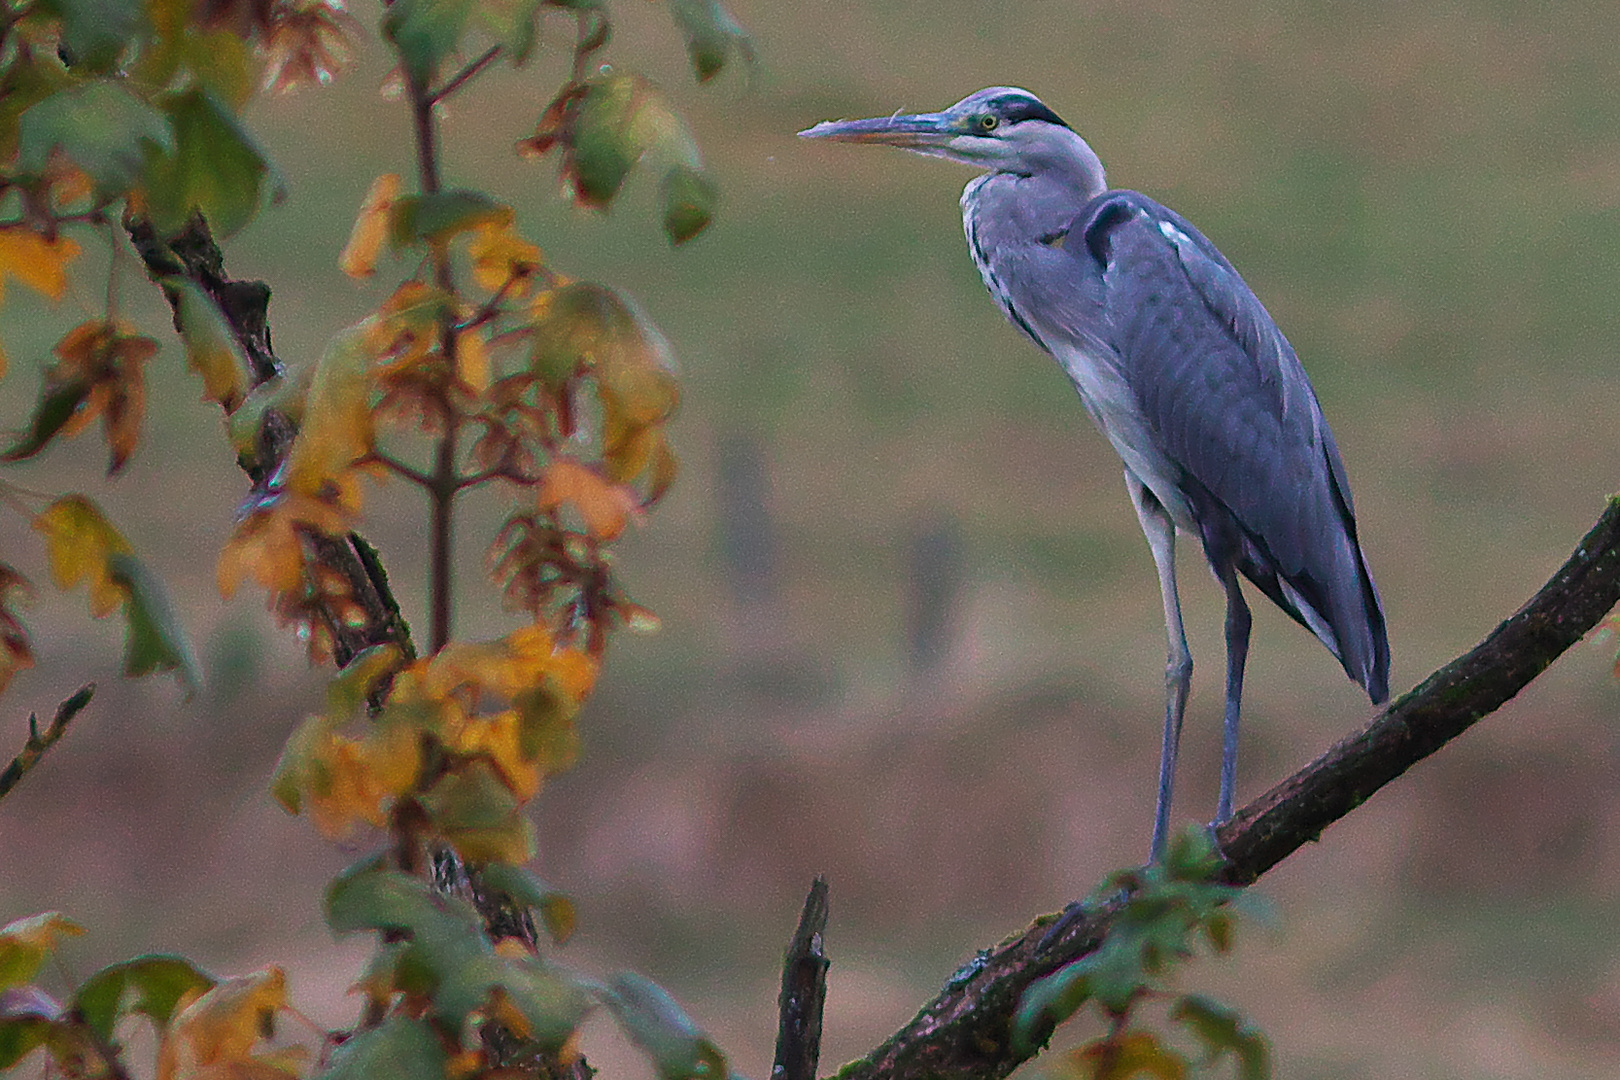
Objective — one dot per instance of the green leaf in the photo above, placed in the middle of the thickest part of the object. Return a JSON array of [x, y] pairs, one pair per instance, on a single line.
[[398, 1048], [1046, 1003], [368, 896], [443, 214], [95, 33], [156, 641], [57, 404], [653, 1021], [515, 24], [21, 1035], [337, 425], [159, 983], [711, 35], [101, 127], [604, 148], [480, 815], [425, 32], [526, 889], [552, 1005], [225, 64], [1193, 855], [689, 198], [215, 167], [350, 688], [1224, 1031], [25, 942]]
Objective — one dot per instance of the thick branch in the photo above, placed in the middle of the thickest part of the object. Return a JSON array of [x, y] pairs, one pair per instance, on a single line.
[[963, 1034]]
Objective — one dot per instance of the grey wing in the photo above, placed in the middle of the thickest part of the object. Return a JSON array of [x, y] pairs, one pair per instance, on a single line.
[[1229, 403]]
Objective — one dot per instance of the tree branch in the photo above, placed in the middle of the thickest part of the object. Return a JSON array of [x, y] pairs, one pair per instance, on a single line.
[[964, 1033], [804, 992], [36, 745], [245, 305]]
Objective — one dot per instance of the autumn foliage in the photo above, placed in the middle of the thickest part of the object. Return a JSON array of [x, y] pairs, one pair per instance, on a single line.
[[486, 367]]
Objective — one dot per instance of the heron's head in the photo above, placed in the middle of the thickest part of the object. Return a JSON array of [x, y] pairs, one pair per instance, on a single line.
[[1002, 128]]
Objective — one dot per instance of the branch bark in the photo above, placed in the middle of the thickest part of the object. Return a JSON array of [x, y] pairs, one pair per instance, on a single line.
[[964, 1033], [39, 742], [804, 992]]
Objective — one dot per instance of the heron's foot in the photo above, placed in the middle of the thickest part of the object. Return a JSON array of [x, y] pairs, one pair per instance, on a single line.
[[1211, 830], [1066, 922]]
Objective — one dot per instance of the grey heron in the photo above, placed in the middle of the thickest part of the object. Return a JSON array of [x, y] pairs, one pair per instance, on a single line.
[[1185, 373]]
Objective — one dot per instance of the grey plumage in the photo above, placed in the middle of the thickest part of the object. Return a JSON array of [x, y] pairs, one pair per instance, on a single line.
[[1184, 371]]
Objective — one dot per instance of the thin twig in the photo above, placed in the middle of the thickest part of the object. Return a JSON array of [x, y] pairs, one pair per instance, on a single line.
[[39, 742], [490, 308], [398, 468], [804, 992], [465, 75]]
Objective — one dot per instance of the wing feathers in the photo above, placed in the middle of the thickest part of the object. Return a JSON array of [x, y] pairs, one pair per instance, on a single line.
[[1228, 402]]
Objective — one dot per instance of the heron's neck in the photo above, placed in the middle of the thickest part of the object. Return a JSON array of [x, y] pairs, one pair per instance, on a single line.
[[1036, 197], [1004, 210]]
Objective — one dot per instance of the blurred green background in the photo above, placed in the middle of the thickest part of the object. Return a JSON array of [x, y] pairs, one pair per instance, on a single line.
[[911, 636]]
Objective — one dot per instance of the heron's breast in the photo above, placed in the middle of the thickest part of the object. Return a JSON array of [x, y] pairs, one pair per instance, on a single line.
[[1114, 408]]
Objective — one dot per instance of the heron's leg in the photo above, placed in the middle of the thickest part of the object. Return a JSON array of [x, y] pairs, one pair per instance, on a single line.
[[1161, 538], [1237, 652]]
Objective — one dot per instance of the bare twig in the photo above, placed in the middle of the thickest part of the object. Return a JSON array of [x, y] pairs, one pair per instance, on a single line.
[[39, 742], [964, 1033], [465, 75], [804, 992]]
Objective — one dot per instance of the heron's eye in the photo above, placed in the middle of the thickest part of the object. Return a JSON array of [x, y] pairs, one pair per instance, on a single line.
[[989, 121]]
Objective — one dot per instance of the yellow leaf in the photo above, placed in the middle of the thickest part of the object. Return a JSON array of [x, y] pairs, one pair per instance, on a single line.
[[503, 259], [36, 261], [499, 738], [212, 348], [606, 507], [82, 543], [472, 360], [341, 780], [337, 428], [215, 1035], [359, 258], [25, 943]]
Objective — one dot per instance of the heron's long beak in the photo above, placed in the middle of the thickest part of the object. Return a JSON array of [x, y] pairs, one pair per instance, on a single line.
[[913, 132]]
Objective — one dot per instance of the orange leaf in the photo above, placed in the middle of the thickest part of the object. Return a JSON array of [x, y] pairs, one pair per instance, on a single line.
[[110, 359], [605, 506], [16, 652], [36, 261], [308, 45], [359, 258], [267, 545]]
